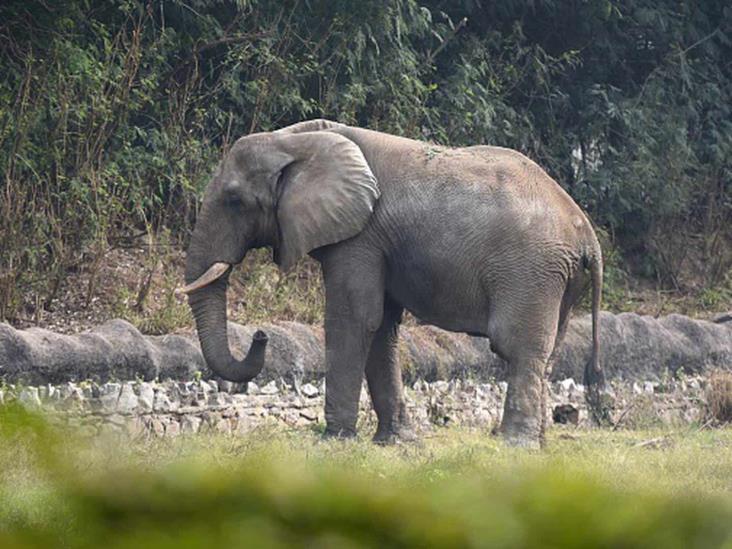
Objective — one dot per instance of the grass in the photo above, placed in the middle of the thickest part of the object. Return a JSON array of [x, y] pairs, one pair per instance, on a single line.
[[282, 488]]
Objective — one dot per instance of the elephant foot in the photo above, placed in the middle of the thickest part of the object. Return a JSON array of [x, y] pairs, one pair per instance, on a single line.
[[339, 433], [400, 435], [522, 441], [522, 434]]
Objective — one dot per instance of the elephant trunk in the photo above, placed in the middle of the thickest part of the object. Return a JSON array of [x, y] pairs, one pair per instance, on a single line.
[[208, 304]]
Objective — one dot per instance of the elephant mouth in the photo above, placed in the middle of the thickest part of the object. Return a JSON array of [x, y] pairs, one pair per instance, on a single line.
[[214, 272]]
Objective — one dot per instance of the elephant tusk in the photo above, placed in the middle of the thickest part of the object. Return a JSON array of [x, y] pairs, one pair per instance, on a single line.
[[213, 273]]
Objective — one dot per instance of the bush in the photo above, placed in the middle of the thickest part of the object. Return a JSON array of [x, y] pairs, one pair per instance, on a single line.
[[113, 114]]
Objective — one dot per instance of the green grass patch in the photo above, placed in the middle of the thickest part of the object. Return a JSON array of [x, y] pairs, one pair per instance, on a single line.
[[282, 488]]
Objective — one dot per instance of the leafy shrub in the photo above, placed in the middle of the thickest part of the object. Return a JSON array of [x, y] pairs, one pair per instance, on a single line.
[[113, 114]]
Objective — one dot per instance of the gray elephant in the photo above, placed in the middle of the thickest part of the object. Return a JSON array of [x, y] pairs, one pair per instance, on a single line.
[[477, 240]]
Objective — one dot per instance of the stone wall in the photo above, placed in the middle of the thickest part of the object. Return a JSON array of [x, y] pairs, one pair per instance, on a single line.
[[156, 409], [114, 379], [633, 348]]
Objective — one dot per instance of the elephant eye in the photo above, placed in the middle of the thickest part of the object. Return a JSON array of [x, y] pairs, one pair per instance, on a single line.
[[231, 193]]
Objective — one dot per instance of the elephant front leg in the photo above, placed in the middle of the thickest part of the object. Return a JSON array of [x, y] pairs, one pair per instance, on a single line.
[[384, 378], [352, 317], [345, 356]]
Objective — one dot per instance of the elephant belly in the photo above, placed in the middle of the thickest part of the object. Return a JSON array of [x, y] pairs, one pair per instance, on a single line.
[[440, 292]]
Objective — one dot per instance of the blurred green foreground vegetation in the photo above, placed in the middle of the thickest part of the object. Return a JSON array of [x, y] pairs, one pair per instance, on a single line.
[[277, 488]]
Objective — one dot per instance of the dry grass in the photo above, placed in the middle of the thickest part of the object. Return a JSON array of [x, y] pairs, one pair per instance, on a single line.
[[719, 396]]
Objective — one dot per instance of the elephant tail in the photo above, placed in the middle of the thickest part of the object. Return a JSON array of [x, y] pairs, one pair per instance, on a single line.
[[594, 375]]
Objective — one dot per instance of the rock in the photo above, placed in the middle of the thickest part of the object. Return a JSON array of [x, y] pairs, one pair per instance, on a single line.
[[29, 398], [187, 394], [219, 399], [145, 396], [441, 386], [65, 390], [566, 414], [158, 427], [162, 403], [109, 396], [172, 429], [200, 398], [310, 414], [258, 411], [117, 419], [270, 389], [190, 424], [204, 386], [226, 386], [567, 385], [252, 388], [127, 401], [309, 390], [72, 396]]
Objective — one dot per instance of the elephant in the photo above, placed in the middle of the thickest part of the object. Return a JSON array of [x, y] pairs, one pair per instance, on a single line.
[[477, 240]]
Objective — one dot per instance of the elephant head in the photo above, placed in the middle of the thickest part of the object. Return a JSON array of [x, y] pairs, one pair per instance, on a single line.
[[294, 192]]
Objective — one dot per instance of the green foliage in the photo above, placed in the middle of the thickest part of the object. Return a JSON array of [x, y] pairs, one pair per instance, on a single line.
[[285, 489], [113, 114]]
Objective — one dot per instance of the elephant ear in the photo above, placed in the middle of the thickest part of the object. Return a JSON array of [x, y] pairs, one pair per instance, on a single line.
[[326, 195]]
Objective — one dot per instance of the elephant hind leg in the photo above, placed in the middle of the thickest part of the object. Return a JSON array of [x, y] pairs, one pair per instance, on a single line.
[[526, 342], [523, 420], [384, 377], [576, 287]]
